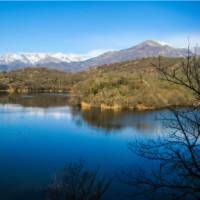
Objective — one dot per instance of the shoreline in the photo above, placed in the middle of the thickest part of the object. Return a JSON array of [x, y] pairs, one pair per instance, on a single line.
[[118, 108], [102, 106]]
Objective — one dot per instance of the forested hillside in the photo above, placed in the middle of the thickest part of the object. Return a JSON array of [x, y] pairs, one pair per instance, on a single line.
[[133, 84]]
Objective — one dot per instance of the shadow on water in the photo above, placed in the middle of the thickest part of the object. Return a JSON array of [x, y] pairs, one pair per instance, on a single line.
[[78, 182]]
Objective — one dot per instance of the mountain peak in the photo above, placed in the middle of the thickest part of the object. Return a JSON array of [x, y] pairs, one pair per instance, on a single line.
[[71, 62], [152, 43]]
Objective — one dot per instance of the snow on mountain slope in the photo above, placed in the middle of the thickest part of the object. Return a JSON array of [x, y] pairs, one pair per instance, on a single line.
[[39, 58], [73, 62]]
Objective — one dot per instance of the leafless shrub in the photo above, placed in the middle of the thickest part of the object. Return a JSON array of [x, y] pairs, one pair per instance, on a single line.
[[177, 152], [78, 183]]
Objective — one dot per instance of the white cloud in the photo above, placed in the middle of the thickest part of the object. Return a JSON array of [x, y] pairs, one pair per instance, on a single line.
[[96, 52], [55, 113], [102, 44], [182, 40], [165, 43]]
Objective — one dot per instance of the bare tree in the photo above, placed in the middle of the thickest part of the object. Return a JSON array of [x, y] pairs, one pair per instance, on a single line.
[[186, 74], [177, 151], [78, 183]]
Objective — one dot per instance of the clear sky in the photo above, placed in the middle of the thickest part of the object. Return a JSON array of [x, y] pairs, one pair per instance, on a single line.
[[82, 27]]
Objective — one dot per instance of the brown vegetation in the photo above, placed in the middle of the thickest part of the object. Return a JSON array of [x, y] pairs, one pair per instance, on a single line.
[[133, 84]]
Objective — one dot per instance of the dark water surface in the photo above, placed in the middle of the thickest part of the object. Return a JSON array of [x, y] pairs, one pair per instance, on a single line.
[[39, 134]]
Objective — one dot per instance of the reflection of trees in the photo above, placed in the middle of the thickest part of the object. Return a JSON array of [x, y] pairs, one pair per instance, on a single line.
[[35, 100], [111, 120], [107, 119], [100, 119], [78, 183], [178, 151]]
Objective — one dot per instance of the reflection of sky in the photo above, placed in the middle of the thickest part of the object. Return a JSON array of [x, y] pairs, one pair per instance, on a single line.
[[56, 113], [144, 124]]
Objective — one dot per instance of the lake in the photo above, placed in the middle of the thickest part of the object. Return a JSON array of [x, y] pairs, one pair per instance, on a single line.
[[41, 133]]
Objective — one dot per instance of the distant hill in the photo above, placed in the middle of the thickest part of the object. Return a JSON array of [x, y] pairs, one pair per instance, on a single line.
[[74, 63], [31, 80], [131, 84]]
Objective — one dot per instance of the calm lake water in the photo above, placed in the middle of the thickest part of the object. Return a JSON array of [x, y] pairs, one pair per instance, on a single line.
[[39, 134]]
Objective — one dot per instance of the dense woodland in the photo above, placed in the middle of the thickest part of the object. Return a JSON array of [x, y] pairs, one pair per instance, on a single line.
[[133, 84]]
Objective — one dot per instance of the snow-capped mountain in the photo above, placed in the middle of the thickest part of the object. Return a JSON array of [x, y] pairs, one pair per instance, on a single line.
[[39, 58], [148, 48], [72, 62]]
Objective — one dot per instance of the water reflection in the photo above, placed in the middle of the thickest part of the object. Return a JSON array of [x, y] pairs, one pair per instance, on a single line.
[[40, 133], [57, 106], [35, 100], [110, 120]]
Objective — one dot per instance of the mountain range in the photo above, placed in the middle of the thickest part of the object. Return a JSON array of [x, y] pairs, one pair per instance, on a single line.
[[71, 62]]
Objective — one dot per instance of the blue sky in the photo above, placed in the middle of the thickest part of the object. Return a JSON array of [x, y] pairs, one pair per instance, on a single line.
[[82, 27]]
